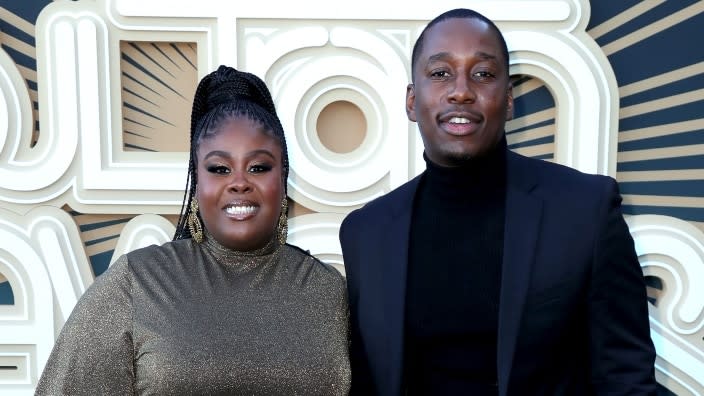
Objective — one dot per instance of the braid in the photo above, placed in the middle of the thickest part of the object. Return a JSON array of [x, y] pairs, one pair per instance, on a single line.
[[222, 95]]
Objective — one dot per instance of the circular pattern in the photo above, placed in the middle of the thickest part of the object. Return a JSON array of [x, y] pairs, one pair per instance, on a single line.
[[341, 126]]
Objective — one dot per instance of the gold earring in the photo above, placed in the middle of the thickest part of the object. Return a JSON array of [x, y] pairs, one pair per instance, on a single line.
[[282, 227], [194, 223]]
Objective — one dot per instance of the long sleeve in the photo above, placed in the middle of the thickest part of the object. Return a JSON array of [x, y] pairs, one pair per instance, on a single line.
[[93, 355], [622, 352]]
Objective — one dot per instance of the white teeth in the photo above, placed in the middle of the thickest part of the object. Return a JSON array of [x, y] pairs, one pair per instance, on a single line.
[[460, 120], [240, 210]]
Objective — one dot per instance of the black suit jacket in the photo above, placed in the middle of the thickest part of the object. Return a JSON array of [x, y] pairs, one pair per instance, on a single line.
[[573, 315]]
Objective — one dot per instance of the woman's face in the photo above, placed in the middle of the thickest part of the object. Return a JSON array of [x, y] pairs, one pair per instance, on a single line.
[[240, 188]]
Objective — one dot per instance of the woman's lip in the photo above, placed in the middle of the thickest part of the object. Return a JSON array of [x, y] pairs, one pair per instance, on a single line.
[[241, 212]]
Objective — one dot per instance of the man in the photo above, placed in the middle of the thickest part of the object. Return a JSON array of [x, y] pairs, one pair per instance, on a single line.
[[490, 273]]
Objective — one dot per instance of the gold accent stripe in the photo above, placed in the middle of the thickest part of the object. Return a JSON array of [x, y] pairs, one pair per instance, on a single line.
[[134, 72], [663, 200], [527, 87], [148, 105], [102, 247], [657, 175], [16, 21], [662, 103], [27, 73], [103, 232], [662, 79], [18, 45], [83, 219], [698, 224], [530, 119], [660, 130], [151, 95], [152, 123], [34, 97], [530, 134], [660, 153], [625, 16], [654, 28], [534, 151], [163, 69]]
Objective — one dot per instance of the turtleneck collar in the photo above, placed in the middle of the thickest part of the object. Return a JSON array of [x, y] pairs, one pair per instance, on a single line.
[[487, 172], [231, 257]]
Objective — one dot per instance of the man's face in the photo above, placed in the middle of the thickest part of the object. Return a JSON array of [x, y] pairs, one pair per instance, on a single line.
[[461, 96]]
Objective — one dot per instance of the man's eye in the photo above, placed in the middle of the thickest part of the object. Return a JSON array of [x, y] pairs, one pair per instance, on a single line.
[[259, 168], [218, 169], [439, 74], [484, 74]]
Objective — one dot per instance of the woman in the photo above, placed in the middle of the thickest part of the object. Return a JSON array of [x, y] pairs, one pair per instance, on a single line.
[[227, 307]]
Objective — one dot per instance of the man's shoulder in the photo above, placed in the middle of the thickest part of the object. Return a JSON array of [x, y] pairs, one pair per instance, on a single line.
[[387, 203], [553, 176]]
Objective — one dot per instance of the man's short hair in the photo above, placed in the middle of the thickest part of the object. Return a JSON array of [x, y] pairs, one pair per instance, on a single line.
[[456, 13]]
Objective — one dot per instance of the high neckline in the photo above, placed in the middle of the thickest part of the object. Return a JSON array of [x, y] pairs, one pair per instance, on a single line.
[[462, 183], [231, 257]]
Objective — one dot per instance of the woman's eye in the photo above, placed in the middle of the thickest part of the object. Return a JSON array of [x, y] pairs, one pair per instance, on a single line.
[[218, 169], [259, 168]]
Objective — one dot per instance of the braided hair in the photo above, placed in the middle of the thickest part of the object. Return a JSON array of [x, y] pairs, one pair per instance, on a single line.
[[223, 95]]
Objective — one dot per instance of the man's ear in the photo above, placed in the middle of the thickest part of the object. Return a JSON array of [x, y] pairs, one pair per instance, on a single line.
[[411, 102], [509, 102]]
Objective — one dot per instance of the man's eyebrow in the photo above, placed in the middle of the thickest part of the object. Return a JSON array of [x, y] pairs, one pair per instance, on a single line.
[[438, 57], [441, 56], [485, 55]]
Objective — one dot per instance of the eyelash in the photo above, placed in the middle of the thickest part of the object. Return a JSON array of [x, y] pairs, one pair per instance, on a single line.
[[260, 168], [482, 74], [437, 74], [224, 170]]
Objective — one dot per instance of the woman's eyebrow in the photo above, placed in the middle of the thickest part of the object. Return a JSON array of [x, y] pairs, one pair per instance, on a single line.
[[227, 155]]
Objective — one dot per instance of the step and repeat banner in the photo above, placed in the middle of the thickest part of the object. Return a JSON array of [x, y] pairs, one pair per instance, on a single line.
[[95, 99]]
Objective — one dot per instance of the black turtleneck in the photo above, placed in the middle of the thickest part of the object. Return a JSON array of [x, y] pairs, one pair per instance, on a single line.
[[454, 276]]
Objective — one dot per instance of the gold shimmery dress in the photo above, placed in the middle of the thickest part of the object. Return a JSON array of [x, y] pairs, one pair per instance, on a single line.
[[187, 318]]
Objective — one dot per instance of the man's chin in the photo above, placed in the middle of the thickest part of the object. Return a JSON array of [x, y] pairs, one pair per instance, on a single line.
[[458, 157]]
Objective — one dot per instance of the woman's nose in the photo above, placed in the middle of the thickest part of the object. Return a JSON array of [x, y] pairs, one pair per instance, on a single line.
[[239, 182]]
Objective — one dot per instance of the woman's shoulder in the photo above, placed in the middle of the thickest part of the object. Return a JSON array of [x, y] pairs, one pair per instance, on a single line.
[[160, 261], [167, 249], [309, 268]]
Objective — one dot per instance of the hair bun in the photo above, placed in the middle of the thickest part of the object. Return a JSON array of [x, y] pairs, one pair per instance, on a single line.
[[226, 85]]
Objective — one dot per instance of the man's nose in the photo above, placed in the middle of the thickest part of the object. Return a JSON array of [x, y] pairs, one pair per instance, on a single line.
[[462, 91]]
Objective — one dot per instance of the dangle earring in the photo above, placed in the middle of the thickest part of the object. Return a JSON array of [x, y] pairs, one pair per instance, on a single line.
[[282, 227], [194, 223]]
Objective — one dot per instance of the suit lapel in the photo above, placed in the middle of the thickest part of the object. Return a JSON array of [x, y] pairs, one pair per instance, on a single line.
[[522, 225]]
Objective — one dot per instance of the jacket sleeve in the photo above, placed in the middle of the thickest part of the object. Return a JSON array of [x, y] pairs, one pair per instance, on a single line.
[[93, 354], [622, 352], [361, 375]]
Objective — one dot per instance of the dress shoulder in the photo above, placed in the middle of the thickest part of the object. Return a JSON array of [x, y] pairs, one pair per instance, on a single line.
[[93, 353]]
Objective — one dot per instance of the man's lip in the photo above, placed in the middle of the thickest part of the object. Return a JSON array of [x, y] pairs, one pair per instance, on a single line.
[[472, 117], [459, 129]]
